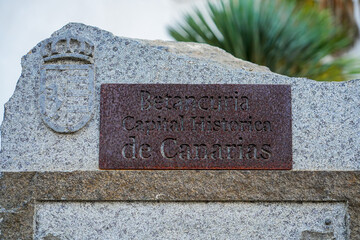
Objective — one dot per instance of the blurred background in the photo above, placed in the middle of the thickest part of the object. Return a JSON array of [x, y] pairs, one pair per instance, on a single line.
[[317, 39]]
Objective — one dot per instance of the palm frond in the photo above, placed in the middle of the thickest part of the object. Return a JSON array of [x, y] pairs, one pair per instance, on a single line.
[[289, 39]]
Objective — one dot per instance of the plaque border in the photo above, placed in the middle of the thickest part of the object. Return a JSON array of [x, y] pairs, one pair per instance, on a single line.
[[285, 163]]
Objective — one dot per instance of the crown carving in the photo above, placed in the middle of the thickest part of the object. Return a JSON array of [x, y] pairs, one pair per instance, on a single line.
[[68, 47]]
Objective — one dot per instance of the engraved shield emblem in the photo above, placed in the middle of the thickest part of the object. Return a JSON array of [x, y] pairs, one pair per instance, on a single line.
[[66, 96]]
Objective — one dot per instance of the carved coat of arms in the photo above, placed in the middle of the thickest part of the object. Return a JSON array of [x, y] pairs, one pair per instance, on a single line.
[[66, 97]]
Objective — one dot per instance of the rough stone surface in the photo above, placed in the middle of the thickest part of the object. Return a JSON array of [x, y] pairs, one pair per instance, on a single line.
[[325, 125], [174, 220], [209, 53], [325, 116], [21, 193], [16, 205]]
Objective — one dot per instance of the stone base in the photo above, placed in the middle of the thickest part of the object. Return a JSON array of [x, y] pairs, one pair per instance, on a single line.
[[329, 201], [189, 220]]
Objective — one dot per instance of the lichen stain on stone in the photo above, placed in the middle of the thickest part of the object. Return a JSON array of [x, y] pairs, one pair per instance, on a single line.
[[51, 237], [312, 235]]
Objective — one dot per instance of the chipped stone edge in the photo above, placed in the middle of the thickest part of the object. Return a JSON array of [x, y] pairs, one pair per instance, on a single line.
[[207, 52]]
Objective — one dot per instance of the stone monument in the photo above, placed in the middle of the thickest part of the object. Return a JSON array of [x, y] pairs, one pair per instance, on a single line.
[[107, 137]]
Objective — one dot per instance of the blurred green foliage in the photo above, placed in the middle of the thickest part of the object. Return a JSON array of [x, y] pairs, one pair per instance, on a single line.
[[289, 39], [341, 10]]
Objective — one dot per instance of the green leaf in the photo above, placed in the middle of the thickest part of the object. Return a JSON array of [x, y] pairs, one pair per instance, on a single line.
[[290, 38]]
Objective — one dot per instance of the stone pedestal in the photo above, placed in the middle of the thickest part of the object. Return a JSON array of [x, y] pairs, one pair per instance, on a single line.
[[52, 186]]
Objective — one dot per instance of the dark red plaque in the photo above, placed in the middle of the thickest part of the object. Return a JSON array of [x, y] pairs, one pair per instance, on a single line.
[[173, 126]]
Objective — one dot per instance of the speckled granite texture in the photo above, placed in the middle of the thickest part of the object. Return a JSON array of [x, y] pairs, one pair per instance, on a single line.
[[317, 205], [149, 220], [40, 182], [325, 116]]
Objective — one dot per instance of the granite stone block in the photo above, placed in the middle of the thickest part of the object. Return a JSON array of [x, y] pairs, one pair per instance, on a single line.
[[325, 115], [313, 205], [179, 220], [51, 186]]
